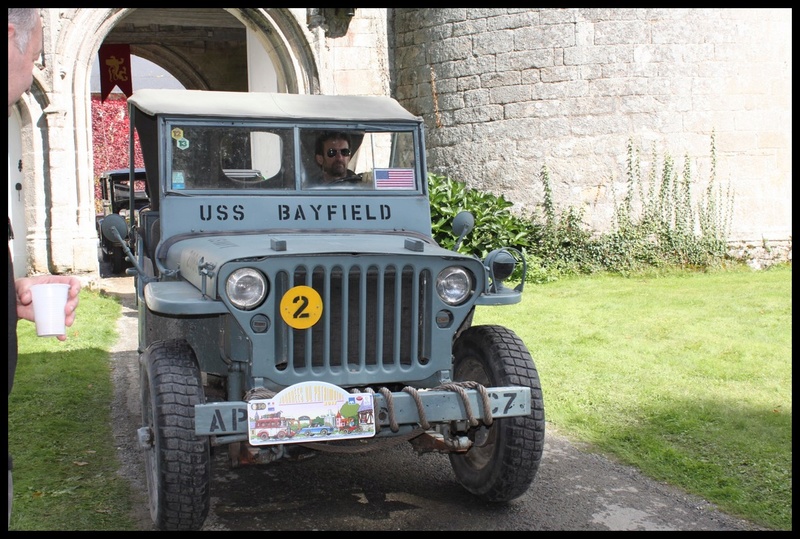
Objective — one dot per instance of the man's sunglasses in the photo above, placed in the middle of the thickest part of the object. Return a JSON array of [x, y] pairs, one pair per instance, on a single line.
[[344, 151]]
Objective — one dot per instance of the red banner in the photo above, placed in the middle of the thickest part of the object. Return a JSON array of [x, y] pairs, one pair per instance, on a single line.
[[115, 70]]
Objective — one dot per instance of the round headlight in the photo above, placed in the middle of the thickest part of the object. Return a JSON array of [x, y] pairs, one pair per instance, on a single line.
[[246, 288], [454, 285]]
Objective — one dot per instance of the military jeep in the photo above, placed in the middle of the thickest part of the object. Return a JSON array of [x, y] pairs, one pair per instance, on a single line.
[[115, 192], [278, 315]]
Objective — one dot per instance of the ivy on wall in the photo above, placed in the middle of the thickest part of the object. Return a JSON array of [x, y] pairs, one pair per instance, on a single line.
[[110, 146]]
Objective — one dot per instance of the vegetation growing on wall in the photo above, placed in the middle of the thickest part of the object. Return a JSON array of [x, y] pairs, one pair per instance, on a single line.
[[655, 224], [110, 143]]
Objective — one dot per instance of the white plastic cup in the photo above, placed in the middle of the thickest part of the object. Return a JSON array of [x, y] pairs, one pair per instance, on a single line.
[[49, 305]]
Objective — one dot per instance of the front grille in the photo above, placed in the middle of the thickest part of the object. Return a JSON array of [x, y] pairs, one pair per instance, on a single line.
[[374, 319]]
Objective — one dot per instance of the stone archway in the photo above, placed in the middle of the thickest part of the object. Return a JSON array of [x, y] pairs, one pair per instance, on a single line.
[[199, 61]]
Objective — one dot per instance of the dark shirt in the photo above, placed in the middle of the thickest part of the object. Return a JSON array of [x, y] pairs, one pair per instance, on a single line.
[[350, 175]]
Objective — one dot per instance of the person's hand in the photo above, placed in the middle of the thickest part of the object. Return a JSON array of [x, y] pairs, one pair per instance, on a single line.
[[25, 297]]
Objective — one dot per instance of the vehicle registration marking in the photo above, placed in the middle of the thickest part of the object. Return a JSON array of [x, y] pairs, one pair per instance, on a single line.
[[310, 412], [301, 307]]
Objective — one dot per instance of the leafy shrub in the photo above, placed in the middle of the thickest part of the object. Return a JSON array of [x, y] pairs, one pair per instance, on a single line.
[[495, 224]]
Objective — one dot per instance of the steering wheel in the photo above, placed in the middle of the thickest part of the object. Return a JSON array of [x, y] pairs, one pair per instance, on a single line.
[[247, 179], [353, 178]]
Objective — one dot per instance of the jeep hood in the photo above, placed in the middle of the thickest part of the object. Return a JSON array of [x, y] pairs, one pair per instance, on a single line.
[[199, 258]]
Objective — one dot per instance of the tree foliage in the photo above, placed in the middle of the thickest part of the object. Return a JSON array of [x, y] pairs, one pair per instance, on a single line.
[[110, 139]]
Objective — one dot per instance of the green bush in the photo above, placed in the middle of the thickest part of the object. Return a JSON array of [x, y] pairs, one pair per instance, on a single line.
[[495, 224]]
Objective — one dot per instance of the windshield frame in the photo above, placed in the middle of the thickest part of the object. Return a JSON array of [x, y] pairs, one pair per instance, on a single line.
[[295, 166]]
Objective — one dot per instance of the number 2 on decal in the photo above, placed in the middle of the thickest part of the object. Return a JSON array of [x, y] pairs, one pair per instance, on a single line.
[[299, 313], [301, 307]]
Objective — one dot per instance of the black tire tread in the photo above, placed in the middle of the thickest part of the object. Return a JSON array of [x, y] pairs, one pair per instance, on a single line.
[[185, 472], [522, 438]]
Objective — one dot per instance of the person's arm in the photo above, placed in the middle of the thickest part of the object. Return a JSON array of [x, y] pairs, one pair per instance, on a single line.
[[25, 297]]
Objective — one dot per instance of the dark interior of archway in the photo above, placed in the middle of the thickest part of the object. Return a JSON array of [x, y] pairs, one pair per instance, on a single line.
[[202, 48]]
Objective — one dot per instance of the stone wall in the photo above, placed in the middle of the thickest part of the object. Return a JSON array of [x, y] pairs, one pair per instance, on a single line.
[[760, 255], [505, 92]]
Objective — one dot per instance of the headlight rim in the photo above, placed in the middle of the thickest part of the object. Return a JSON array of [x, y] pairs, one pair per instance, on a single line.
[[445, 275], [249, 305]]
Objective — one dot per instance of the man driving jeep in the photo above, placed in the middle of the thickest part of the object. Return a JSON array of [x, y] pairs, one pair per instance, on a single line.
[[332, 153]]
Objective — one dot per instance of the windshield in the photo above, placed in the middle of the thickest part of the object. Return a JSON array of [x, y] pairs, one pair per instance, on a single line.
[[216, 158], [247, 157]]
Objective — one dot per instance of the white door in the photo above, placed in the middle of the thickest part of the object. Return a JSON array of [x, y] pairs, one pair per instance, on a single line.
[[16, 204]]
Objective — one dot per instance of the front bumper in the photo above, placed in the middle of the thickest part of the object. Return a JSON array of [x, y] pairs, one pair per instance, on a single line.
[[228, 423]]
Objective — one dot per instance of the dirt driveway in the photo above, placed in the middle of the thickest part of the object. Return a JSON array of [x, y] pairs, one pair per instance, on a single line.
[[398, 490]]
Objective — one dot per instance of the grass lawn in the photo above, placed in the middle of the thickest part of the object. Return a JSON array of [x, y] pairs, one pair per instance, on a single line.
[[687, 376]]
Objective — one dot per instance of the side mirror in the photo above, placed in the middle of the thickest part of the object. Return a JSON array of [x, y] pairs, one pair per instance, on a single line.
[[463, 223], [114, 228]]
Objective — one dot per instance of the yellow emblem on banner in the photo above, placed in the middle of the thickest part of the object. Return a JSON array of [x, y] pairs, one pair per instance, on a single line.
[[301, 307]]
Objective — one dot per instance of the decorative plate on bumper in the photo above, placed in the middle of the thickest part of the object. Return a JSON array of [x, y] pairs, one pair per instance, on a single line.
[[310, 412]]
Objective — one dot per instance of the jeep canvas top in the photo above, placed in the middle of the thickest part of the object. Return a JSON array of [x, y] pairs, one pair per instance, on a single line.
[[280, 314]]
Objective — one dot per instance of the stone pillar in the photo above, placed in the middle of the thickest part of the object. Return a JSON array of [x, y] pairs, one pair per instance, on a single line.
[[59, 185]]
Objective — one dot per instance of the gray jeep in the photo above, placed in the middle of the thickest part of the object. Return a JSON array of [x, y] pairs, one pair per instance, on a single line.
[[115, 192], [270, 304]]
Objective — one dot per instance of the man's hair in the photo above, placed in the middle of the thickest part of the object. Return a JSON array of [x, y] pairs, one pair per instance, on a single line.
[[331, 135], [23, 19]]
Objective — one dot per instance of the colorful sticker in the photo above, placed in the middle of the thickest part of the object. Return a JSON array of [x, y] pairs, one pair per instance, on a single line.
[[178, 179], [310, 412], [301, 307]]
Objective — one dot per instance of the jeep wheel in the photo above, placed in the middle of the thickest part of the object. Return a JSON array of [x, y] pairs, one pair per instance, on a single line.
[[504, 457], [178, 465]]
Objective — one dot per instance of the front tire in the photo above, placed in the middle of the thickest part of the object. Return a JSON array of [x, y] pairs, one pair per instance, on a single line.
[[504, 459], [178, 464]]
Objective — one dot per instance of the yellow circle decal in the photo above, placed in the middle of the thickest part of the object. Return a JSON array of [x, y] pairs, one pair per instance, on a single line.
[[301, 307]]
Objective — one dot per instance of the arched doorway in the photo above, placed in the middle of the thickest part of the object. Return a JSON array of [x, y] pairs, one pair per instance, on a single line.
[[236, 49], [16, 207]]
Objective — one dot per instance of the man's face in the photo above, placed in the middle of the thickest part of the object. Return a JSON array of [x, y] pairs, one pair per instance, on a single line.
[[333, 162], [20, 63]]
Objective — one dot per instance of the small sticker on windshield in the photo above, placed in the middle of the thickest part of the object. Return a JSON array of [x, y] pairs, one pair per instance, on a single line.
[[178, 180]]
